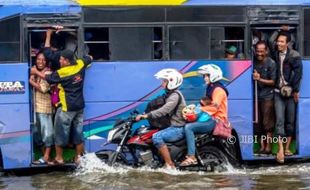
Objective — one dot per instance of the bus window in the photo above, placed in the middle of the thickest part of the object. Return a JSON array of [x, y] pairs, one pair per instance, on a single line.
[[10, 40], [131, 43], [189, 42], [307, 32], [217, 47], [97, 40], [227, 38], [158, 43], [125, 43]]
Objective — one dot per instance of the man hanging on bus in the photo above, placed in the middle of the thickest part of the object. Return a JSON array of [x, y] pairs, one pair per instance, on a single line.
[[289, 75], [69, 115]]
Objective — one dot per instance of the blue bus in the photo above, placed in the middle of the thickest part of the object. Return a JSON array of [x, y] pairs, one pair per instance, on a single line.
[[130, 42]]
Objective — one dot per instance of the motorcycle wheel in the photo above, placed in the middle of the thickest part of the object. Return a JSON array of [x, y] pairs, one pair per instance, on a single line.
[[213, 159], [105, 155]]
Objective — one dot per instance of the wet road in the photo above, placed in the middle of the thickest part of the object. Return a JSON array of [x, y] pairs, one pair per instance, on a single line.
[[95, 175]]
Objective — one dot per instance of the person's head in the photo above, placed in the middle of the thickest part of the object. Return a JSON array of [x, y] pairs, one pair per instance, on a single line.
[[283, 39], [211, 73], [261, 50], [66, 58], [230, 52], [171, 78], [40, 61]]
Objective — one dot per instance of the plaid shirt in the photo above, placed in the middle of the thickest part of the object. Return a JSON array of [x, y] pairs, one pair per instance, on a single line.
[[43, 100]]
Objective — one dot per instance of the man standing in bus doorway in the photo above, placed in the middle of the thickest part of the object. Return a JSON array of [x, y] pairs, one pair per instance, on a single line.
[[265, 76], [289, 75], [69, 116]]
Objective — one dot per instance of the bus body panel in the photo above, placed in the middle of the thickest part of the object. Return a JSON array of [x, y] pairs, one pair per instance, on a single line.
[[110, 94], [116, 81], [15, 138], [9, 10], [303, 113], [240, 111], [14, 83]]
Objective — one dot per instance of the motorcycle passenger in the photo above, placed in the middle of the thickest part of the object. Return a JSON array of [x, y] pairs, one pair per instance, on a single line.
[[171, 80], [218, 94]]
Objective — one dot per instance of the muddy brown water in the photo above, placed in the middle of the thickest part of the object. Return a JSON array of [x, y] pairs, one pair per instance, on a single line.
[[96, 175]]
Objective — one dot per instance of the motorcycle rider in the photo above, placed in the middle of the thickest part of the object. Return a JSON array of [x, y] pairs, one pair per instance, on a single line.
[[218, 94], [171, 80]]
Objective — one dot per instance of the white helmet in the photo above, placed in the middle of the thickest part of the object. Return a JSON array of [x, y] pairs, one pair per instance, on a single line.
[[173, 77], [213, 71]]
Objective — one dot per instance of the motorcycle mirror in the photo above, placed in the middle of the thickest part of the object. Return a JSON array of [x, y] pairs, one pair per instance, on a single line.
[[118, 122]]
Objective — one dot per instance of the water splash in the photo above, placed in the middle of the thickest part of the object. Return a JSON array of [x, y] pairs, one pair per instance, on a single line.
[[91, 164]]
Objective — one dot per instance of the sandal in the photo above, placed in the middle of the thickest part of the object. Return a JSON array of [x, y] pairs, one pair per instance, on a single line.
[[288, 153], [268, 152], [260, 151], [189, 161], [40, 161], [58, 162], [280, 158]]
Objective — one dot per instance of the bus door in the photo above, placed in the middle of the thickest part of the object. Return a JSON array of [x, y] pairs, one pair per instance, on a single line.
[[268, 34], [67, 38], [265, 24]]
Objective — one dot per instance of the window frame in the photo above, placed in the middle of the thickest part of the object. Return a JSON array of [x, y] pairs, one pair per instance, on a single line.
[[303, 29], [19, 42], [210, 26], [91, 26], [165, 29]]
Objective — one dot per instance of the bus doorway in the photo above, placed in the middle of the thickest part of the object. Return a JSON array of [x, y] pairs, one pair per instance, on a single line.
[[264, 50], [44, 44]]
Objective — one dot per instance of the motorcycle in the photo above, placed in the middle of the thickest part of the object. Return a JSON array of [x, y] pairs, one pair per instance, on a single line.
[[136, 149]]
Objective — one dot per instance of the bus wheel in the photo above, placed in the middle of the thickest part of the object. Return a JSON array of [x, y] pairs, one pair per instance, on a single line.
[[213, 159]]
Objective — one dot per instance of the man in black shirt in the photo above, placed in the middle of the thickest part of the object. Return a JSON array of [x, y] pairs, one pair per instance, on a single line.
[[265, 75], [69, 116]]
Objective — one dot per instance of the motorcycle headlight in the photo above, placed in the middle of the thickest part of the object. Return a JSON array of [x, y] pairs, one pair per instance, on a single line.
[[111, 134]]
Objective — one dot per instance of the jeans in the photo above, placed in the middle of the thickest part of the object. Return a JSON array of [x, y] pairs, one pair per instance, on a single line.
[[43, 132], [66, 123], [170, 134], [285, 109], [197, 127]]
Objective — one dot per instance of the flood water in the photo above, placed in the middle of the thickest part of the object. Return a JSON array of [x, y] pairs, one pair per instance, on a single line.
[[95, 175]]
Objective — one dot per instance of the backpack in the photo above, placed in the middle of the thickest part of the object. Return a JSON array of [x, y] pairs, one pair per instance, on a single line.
[[164, 121]]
